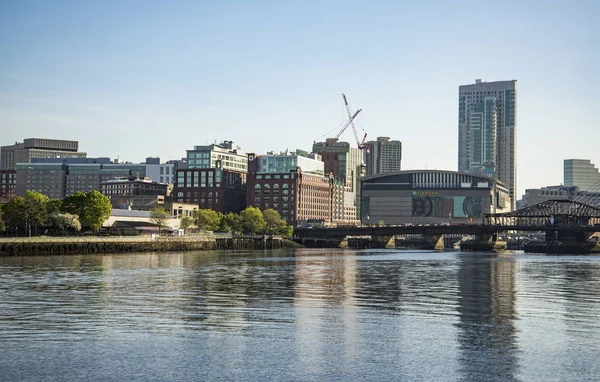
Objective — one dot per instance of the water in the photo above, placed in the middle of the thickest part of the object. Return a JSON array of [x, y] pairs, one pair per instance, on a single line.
[[308, 315]]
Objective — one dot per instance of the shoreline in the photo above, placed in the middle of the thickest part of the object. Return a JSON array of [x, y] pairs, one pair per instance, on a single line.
[[72, 245]]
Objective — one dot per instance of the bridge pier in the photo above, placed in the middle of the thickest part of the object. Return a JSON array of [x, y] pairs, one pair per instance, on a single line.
[[383, 241], [436, 241], [484, 242]]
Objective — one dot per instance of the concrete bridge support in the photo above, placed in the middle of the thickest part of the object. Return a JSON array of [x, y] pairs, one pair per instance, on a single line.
[[484, 242], [436, 241], [383, 241]]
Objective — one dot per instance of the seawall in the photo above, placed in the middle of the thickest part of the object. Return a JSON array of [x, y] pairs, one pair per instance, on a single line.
[[96, 245]]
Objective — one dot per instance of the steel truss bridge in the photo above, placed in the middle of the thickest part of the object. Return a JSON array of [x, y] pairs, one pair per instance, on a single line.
[[560, 219]]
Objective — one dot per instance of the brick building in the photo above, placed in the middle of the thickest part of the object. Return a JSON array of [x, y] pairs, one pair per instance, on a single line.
[[218, 189], [293, 185], [8, 184]]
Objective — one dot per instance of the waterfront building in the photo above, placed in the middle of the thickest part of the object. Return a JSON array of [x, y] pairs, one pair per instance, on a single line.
[[8, 184], [581, 173], [292, 184], [58, 178], [383, 155], [38, 148], [431, 197], [213, 177], [487, 131], [216, 188], [227, 156], [134, 193], [344, 162]]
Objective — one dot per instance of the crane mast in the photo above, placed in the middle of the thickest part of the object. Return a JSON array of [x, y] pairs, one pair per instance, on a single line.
[[348, 123], [361, 144]]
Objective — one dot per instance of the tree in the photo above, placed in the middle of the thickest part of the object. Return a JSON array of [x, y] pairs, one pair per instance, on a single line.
[[159, 216], [74, 204], [92, 208], [186, 222], [65, 222], [26, 212], [53, 206], [97, 210], [275, 225], [12, 212], [207, 219], [252, 221], [2, 225], [231, 222]]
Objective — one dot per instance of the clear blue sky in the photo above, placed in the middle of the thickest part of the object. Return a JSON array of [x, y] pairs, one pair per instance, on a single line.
[[154, 78]]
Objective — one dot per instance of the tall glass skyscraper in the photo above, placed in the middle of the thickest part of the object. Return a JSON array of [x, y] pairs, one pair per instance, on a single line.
[[487, 131]]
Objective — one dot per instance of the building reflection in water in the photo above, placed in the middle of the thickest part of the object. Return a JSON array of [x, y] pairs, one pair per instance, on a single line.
[[325, 305], [487, 313]]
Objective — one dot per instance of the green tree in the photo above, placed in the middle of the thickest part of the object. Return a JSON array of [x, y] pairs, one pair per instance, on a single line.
[[2, 225], [92, 208], [65, 222], [54, 206], [186, 222], [12, 212], [27, 212], [97, 209], [75, 204], [35, 210], [274, 225], [160, 217], [207, 219], [252, 221], [231, 222]]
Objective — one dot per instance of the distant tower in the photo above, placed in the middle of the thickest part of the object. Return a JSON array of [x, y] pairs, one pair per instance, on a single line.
[[581, 173], [383, 155], [487, 126]]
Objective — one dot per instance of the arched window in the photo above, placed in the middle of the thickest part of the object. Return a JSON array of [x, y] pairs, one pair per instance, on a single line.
[[257, 185]]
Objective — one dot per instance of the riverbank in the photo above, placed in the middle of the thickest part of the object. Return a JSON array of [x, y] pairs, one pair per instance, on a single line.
[[108, 244]]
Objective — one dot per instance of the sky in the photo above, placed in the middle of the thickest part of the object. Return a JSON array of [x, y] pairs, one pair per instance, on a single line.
[[130, 79]]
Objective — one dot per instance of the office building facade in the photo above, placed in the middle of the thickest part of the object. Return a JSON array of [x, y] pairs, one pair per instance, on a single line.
[[58, 178], [383, 155], [345, 163], [38, 148], [291, 184], [581, 173], [487, 131], [8, 184], [217, 189], [227, 156]]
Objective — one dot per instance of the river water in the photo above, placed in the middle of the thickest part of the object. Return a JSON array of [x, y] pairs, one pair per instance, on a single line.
[[303, 315]]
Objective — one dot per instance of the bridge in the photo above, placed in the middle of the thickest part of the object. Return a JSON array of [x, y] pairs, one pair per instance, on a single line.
[[562, 220]]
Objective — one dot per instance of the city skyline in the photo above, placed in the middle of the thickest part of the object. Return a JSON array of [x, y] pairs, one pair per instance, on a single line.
[[129, 80]]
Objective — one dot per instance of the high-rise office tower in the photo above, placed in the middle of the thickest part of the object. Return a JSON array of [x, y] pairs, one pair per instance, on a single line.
[[581, 173], [487, 126], [383, 155]]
